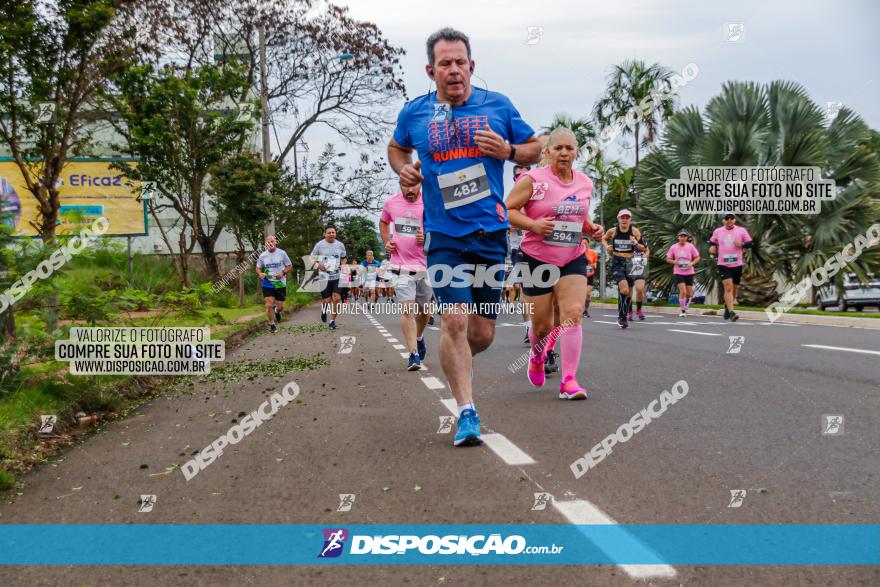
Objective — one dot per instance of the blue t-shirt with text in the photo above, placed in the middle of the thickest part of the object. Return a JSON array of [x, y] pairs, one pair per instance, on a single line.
[[443, 137]]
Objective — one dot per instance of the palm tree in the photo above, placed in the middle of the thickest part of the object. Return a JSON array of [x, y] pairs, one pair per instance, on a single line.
[[628, 84], [583, 128], [767, 125]]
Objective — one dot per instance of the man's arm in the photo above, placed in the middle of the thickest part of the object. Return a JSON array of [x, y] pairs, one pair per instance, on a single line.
[[528, 152], [400, 159], [385, 232], [493, 144]]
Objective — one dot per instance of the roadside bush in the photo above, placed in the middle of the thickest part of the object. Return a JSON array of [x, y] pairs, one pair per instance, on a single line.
[[153, 274], [38, 343], [186, 302], [105, 278], [8, 369], [216, 318], [134, 300], [87, 303], [224, 299], [6, 480]]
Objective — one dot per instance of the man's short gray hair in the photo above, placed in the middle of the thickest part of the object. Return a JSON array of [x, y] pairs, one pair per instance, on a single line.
[[446, 34]]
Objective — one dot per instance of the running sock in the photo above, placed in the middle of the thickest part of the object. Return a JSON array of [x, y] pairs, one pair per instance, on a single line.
[[552, 338], [535, 341], [420, 337], [587, 305], [638, 306], [572, 341], [624, 306], [464, 407]]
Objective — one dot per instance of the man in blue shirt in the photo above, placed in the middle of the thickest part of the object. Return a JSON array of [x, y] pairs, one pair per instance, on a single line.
[[463, 135]]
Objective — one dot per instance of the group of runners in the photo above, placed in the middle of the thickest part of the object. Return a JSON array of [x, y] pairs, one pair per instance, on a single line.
[[451, 211]]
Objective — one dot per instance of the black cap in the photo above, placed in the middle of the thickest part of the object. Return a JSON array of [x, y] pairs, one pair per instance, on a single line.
[[683, 232]]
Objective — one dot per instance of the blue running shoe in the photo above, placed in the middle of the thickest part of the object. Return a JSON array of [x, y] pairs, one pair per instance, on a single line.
[[414, 362], [468, 433], [423, 350]]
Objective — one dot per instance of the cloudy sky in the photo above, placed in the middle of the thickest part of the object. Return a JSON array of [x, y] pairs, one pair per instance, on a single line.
[[831, 48]]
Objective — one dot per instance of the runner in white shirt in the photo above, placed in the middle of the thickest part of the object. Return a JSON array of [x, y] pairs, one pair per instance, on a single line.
[[273, 265], [327, 256]]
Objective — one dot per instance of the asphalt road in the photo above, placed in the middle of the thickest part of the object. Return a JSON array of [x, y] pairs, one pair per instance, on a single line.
[[751, 420]]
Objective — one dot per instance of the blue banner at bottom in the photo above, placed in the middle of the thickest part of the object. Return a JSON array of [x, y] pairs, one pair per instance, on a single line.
[[481, 544]]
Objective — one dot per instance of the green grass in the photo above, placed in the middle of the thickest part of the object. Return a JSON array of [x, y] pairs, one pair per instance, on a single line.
[[7, 481], [47, 388]]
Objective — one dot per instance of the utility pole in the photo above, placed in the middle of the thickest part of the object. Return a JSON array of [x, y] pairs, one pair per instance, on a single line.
[[264, 112]]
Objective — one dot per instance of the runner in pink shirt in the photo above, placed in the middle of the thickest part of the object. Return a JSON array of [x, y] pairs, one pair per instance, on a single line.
[[552, 204], [403, 233], [683, 256], [729, 243]]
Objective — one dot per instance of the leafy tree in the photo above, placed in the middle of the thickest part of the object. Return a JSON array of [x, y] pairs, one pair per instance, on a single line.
[[301, 220], [583, 128], [629, 84], [358, 234], [58, 53], [775, 124], [181, 124], [324, 68], [248, 193]]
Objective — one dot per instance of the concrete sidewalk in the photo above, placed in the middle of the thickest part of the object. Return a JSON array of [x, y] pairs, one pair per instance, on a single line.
[[851, 322]]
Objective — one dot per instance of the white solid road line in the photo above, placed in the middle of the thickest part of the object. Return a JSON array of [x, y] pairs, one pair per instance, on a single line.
[[693, 332], [432, 382], [603, 322], [509, 452], [841, 348], [582, 512]]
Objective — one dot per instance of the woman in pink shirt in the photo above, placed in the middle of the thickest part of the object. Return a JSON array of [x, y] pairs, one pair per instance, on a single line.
[[552, 204], [683, 256]]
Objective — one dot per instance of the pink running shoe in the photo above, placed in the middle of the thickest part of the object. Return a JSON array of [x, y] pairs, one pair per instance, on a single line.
[[536, 372], [640, 314], [569, 389], [629, 315]]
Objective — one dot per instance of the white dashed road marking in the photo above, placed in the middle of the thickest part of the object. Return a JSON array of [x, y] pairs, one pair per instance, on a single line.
[[509, 452], [432, 382], [693, 332], [582, 512], [841, 348]]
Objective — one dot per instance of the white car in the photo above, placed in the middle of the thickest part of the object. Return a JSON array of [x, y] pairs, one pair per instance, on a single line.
[[856, 295]]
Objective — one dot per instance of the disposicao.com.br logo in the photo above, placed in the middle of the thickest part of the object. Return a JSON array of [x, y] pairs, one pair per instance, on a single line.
[[432, 544]]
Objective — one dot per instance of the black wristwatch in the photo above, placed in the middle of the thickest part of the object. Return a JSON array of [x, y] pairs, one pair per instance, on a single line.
[[512, 153]]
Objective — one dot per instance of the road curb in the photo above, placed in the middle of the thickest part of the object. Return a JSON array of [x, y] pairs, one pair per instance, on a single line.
[[867, 323]]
